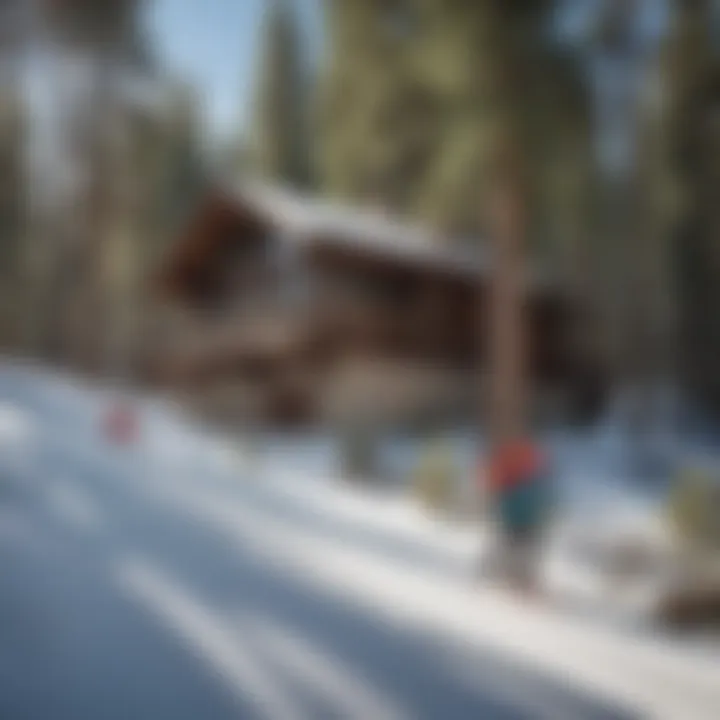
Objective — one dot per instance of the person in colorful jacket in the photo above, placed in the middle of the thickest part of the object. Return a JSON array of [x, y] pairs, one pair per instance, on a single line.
[[519, 480]]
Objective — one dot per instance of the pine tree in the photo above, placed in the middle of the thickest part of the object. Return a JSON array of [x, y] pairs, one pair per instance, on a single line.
[[182, 165], [693, 83], [14, 183], [86, 281], [13, 188], [107, 29], [509, 39], [278, 136], [159, 176], [404, 115]]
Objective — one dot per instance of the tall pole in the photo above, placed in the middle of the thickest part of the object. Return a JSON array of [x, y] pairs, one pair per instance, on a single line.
[[507, 217], [508, 346]]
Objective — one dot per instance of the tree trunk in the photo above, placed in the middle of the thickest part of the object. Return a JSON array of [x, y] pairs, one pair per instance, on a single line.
[[508, 402], [507, 219]]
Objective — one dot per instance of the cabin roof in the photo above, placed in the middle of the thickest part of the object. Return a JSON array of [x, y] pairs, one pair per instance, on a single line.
[[307, 220], [310, 222]]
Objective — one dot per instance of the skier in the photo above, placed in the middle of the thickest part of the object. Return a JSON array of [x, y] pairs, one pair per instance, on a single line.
[[519, 485]]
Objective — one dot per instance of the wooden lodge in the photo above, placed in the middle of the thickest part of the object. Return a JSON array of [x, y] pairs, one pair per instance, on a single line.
[[291, 309]]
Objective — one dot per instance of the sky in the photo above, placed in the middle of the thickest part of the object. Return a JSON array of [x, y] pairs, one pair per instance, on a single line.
[[215, 43]]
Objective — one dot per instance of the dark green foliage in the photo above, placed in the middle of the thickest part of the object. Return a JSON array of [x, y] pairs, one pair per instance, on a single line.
[[278, 137], [12, 176], [693, 78], [408, 96], [181, 166], [107, 28], [13, 210]]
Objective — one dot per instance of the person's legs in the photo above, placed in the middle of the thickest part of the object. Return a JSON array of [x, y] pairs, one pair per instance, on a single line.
[[522, 558], [515, 557]]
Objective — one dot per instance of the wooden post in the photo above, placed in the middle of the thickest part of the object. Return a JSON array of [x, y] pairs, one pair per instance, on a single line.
[[507, 361]]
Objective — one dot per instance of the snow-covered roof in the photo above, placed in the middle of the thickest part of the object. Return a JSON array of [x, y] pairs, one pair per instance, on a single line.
[[307, 220]]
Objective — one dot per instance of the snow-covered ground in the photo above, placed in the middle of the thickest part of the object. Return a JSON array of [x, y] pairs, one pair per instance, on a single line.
[[281, 514], [603, 513], [382, 552], [312, 484]]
